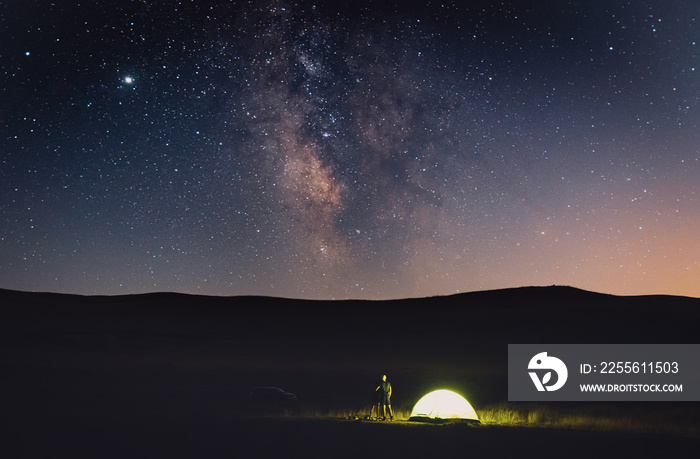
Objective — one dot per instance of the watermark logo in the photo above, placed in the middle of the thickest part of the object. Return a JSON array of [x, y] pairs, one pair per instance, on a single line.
[[541, 362]]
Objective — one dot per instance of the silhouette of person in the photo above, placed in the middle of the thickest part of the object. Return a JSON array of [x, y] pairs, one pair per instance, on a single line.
[[384, 390]]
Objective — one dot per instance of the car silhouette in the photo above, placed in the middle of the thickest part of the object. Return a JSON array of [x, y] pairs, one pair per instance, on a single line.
[[271, 396]]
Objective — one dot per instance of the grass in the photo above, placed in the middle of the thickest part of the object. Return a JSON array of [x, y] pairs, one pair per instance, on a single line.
[[400, 413], [648, 418]]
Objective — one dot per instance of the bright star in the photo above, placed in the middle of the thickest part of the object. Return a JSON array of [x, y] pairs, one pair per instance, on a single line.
[[128, 80]]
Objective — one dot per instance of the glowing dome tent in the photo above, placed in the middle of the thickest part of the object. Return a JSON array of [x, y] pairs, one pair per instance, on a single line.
[[443, 405]]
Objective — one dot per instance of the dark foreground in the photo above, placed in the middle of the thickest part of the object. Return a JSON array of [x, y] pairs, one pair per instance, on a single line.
[[167, 375], [168, 437]]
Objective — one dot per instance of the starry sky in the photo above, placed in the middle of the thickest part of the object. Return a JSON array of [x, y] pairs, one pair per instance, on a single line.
[[365, 150]]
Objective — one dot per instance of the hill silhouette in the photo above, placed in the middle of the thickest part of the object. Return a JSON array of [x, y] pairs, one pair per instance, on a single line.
[[84, 359], [545, 314]]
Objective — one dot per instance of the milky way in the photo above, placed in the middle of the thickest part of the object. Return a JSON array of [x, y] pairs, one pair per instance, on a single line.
[[374, 151]]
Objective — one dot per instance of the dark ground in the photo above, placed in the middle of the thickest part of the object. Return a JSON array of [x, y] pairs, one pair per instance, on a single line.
[[214, 437], [166, 375]]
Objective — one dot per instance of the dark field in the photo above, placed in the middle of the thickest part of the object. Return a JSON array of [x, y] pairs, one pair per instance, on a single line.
[[167, 375], [167, 436]]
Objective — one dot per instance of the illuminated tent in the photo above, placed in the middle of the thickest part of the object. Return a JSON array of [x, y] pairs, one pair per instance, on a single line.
[[443, 405]]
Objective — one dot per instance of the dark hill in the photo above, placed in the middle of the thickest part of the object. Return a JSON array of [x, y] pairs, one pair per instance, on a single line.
[[549, 314], [260, 340], [76, 362]]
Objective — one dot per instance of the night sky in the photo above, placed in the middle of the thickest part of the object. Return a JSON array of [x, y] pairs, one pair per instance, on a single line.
[[363, 150]]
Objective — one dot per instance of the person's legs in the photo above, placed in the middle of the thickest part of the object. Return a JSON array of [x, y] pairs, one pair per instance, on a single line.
[[376, 404]]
